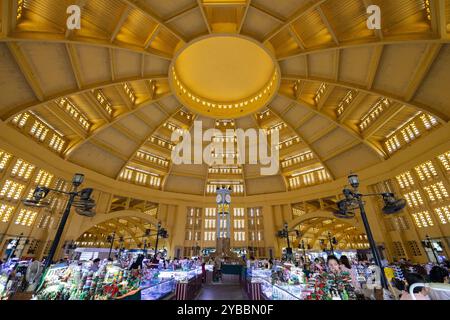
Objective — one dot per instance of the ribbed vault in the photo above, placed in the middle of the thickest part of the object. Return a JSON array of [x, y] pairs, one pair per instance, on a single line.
[[103, 91]]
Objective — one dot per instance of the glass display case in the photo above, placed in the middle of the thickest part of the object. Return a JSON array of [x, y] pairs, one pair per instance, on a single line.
[[285, 292], [158, 290], [181, 276], [280, 283], [78, 282]]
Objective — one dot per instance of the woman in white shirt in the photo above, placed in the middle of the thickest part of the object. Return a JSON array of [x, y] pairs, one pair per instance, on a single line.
[[420, 293]]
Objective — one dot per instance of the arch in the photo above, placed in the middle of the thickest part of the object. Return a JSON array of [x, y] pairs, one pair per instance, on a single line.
[[90, 223], [322, 214]]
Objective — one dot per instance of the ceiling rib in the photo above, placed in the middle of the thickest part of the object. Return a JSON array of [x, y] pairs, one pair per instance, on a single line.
[[119, 24], [297, 38], [374, 65], [352, 132], [311, 6], [296, 131], [328, 25], [75, 64], [439, 19], [181, 13], [205, 18], [413, 39], [422, 70], [385, 117], [356, 102], [274, 16], [8, 23], [154, 17], [69, 152], [163, 185], [244, 16], [152, 37], [443, 117], [112, 64], [143, 142], [97, 107], [27, 70], [17, 110], [66, 119]]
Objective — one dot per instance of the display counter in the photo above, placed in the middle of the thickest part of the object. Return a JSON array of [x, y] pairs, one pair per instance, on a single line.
[[12, 278], [111, 282], [77, 282], [265, 284], [187, 283], [159, 290]]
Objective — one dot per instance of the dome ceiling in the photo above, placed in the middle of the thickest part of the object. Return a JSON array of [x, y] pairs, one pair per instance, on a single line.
[[101, 96]]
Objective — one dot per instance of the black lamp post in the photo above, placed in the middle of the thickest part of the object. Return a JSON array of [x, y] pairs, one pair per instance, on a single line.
[[333, 241], [80, 200], [354, 200], [284, 233], [432, 248], [161, 232], [121, 245], [111, 239], [146, 235], [16, 244], [302, 246]]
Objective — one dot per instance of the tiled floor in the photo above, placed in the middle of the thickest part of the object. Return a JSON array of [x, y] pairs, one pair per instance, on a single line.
[[222, 292]]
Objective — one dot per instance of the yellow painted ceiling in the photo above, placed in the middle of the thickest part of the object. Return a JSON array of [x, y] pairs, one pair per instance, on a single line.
[[104, 90], [224, 68]]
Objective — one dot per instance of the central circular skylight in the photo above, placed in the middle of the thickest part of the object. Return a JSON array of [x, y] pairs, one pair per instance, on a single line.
[[224, 76]]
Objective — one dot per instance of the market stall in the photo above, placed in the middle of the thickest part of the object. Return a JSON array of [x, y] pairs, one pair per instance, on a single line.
[[12, 278], [78, 282], [288, 282]]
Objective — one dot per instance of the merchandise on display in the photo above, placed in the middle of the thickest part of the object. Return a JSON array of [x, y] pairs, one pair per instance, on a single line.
[[114, 281], [12, 277], [77, 282]]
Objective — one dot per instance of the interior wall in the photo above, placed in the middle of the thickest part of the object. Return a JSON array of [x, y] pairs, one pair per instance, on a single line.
[[172, 207]]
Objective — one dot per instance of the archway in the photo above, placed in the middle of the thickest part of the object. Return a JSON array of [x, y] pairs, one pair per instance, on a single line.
[[128, 226], [314, 227]]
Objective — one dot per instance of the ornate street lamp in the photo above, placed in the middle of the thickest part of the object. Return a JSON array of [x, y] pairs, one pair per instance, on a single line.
[[161, 232], [81, 200], [333, 241], [111, 239], [354, 200], [284, 233], [430, 244]]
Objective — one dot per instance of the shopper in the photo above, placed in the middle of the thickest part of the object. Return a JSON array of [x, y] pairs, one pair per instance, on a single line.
[[95, 265], [317, 265], [399, 287], [440, 278], [420, 293], [439, 275], [333, 265], [347, 267], [138, 263], [204, 272]]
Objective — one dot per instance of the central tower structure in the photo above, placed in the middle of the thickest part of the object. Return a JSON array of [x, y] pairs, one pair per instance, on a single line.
[[223, 226]]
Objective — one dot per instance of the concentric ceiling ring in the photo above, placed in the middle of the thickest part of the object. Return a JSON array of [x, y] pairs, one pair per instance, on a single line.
[[225, 76]]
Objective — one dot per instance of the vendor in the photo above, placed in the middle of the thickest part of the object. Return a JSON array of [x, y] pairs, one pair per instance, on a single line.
[[95, 265]]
